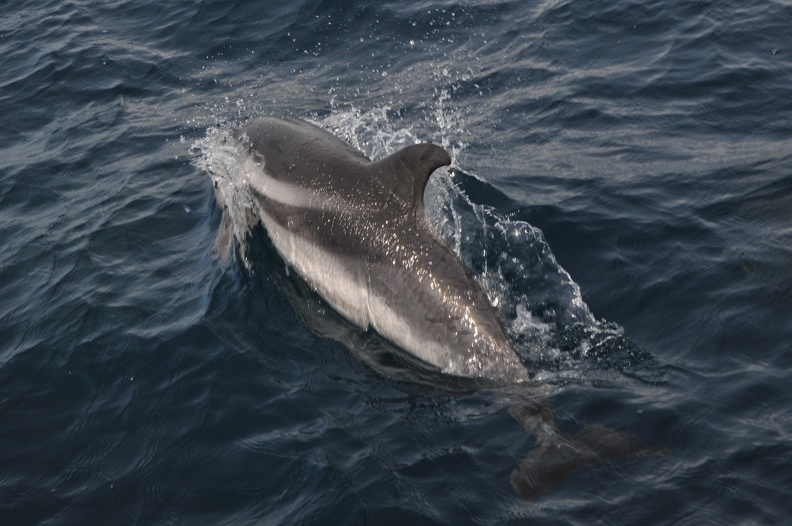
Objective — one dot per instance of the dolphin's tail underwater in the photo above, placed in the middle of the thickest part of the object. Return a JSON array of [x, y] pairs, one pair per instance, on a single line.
[[560, 456]]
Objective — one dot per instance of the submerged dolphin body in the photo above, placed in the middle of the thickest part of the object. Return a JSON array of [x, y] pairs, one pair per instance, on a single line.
[[357, 233]]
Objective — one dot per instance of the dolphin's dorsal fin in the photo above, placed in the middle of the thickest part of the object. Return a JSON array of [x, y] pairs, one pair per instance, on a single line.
[[409, 169]]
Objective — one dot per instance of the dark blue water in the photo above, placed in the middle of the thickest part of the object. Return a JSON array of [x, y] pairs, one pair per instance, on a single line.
[[147, 376]]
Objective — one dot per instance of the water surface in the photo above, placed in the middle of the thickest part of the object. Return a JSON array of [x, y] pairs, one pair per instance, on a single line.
[[146, 378]]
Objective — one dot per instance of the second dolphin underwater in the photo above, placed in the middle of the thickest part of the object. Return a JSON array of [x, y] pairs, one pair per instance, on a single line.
[[356, 231]]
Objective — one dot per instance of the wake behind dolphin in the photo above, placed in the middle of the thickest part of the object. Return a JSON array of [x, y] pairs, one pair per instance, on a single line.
[[356, 231]]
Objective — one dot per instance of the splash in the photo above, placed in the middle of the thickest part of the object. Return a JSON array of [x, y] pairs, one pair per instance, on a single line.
[[372, 132], [220, 158], [383, 130]]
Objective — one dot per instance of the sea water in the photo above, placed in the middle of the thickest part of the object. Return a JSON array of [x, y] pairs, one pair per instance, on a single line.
[[621, 187]]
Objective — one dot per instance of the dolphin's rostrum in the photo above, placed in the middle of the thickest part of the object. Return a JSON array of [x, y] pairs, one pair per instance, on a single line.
[[356, 231]]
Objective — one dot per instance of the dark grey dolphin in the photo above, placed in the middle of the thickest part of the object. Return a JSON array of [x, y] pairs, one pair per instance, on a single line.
[[357, 233]]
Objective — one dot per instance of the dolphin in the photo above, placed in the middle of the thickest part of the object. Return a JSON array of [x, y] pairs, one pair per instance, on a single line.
[[357, 233]]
